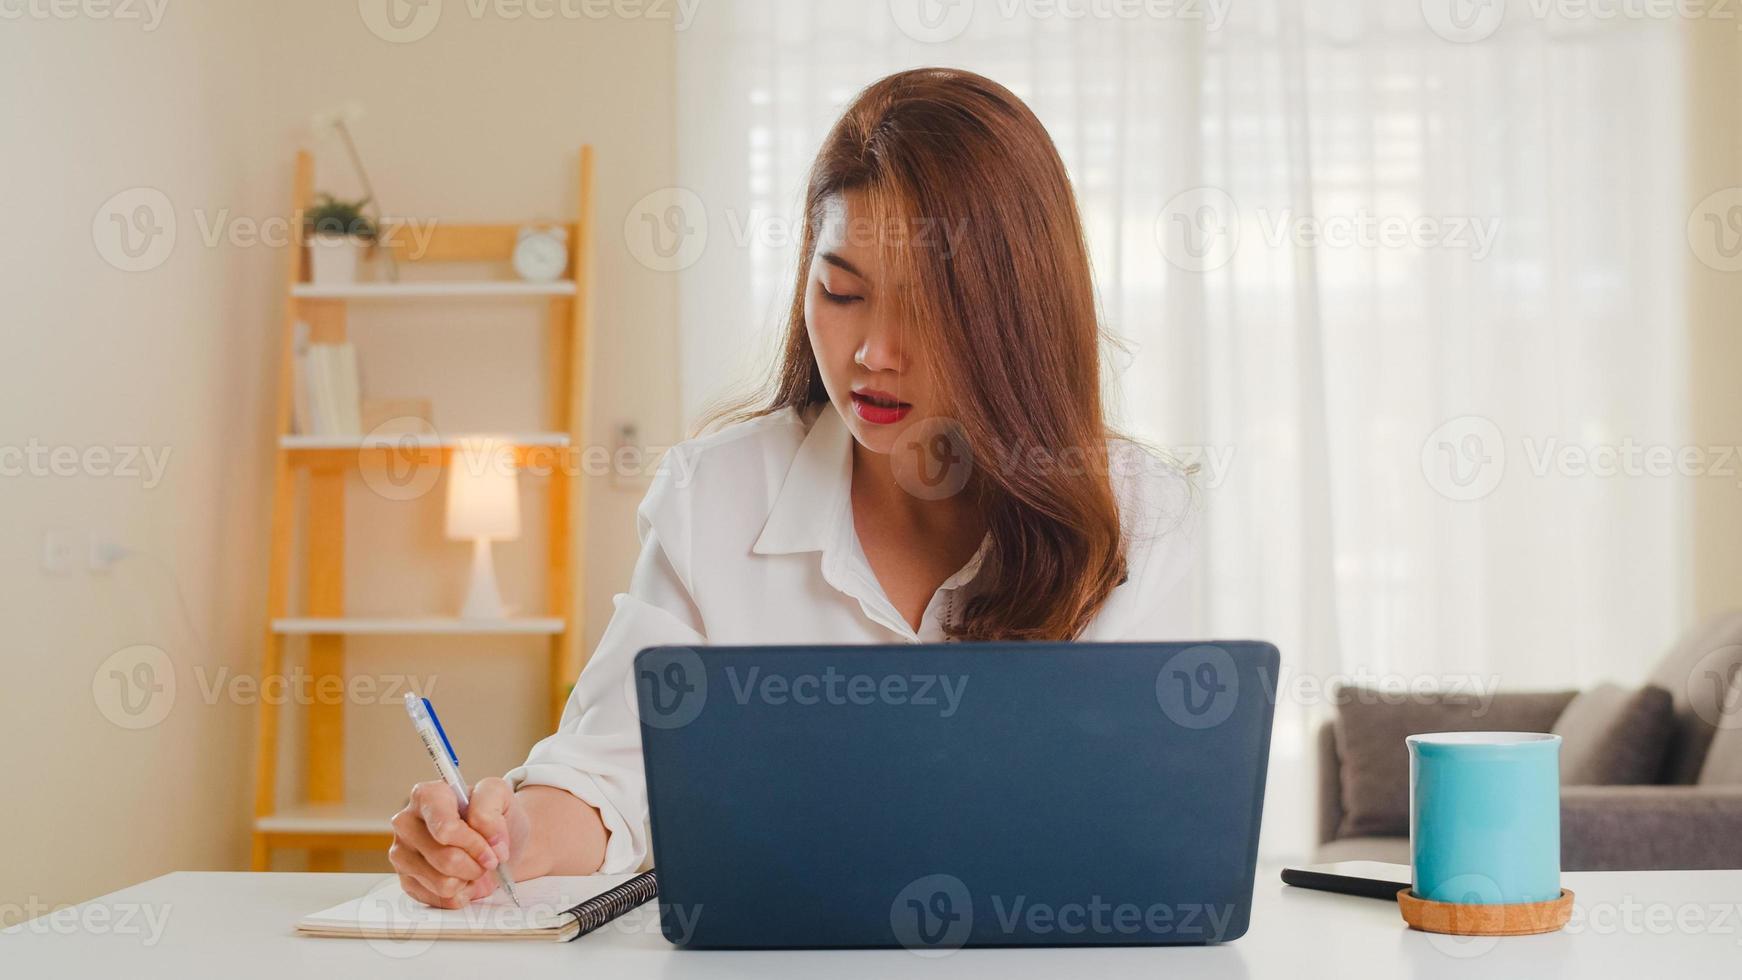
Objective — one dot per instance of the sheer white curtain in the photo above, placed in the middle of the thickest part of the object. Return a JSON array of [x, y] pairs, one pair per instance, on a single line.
[[1407, 300]]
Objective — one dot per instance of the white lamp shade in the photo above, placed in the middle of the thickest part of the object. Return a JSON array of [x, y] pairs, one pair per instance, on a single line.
[[483, 492]]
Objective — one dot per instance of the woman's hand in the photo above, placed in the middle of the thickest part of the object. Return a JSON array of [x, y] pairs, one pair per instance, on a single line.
[[448, 862]]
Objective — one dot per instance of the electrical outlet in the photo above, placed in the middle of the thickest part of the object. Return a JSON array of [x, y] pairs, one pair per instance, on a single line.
[[101, 554], [628, 457], [60, 551]]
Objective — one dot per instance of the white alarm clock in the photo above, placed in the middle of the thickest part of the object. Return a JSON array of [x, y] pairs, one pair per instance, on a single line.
[[541, 254]]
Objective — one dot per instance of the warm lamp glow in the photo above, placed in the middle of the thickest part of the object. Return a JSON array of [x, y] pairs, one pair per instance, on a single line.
[[483, 492], [483, 506]]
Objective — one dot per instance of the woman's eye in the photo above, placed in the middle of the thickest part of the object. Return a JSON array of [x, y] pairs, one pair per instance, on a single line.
[[840, 298]]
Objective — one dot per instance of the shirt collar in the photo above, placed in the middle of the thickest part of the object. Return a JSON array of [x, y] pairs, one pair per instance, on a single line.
[[808, 511], [813, 510]]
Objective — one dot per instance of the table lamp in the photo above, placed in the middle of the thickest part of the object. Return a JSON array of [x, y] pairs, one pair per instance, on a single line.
[[483, 506]]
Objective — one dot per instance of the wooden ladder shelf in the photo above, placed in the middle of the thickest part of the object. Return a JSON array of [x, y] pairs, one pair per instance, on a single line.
[[319, 823]]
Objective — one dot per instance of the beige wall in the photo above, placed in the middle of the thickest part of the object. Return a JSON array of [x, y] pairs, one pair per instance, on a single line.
[[170, 360], [480, 120], [1715, 313]]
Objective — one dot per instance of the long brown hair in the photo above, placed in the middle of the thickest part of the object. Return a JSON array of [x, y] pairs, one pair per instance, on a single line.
[[1003, 313]]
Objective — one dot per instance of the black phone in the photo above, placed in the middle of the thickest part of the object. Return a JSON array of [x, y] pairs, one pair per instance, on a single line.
[[1368, 879]]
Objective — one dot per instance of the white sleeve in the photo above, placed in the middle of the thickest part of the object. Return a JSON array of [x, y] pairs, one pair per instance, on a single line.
[[1159, 602], [595, 752]]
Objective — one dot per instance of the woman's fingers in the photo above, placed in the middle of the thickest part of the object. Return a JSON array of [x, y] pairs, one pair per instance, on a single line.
[[488, 814], [432, 887], [415, 888], [440, 812]]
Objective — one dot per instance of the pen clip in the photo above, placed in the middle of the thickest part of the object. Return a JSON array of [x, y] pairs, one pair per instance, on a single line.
[[449, 746]]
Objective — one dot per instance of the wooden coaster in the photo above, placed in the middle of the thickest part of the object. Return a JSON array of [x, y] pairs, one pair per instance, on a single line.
[[1523, 919]]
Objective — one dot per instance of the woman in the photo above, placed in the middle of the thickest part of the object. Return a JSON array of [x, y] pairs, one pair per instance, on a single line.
[[933, 465]]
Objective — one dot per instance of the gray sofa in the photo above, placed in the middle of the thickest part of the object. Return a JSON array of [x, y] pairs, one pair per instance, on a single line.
[[1687, 813]]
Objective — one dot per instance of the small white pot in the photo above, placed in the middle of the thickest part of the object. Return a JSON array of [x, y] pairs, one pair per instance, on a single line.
[[333, 258]]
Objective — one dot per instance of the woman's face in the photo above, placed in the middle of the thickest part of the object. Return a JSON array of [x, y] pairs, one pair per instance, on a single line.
[[852, 313]]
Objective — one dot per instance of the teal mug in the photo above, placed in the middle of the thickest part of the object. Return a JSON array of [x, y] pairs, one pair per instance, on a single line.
[[1485, 817]]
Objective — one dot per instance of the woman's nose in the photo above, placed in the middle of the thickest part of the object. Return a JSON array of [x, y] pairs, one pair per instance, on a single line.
[[880, 350]]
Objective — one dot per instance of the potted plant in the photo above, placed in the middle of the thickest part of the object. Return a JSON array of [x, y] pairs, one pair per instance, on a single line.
[[337, 232]]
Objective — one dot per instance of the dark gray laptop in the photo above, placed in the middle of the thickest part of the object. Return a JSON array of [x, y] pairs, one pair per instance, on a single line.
[[934, 797]]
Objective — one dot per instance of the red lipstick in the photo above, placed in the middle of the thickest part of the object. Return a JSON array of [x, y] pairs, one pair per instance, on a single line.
[[879, 407]]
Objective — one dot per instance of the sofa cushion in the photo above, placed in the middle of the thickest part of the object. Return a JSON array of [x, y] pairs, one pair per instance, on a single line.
[[1697, 672], [1723, 765], [1611, 736], [1371, 727]]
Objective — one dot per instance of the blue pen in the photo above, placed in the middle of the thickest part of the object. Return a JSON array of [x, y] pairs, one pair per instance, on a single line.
[[447, 763]]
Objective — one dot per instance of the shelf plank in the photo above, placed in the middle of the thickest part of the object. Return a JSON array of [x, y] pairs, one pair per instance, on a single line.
[[416, 626], [432, 289], [319, 818], [416, 441]]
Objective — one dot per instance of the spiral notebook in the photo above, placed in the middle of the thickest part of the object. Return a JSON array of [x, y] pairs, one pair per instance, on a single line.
[[555, 909]]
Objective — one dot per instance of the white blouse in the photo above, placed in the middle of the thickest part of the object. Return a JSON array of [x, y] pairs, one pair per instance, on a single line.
[[747, 538]]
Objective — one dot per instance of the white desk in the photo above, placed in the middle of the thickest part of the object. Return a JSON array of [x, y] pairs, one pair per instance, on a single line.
[[1634, 925]]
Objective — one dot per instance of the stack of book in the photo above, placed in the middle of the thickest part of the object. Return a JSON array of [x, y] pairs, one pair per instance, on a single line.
[[327, 399]]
